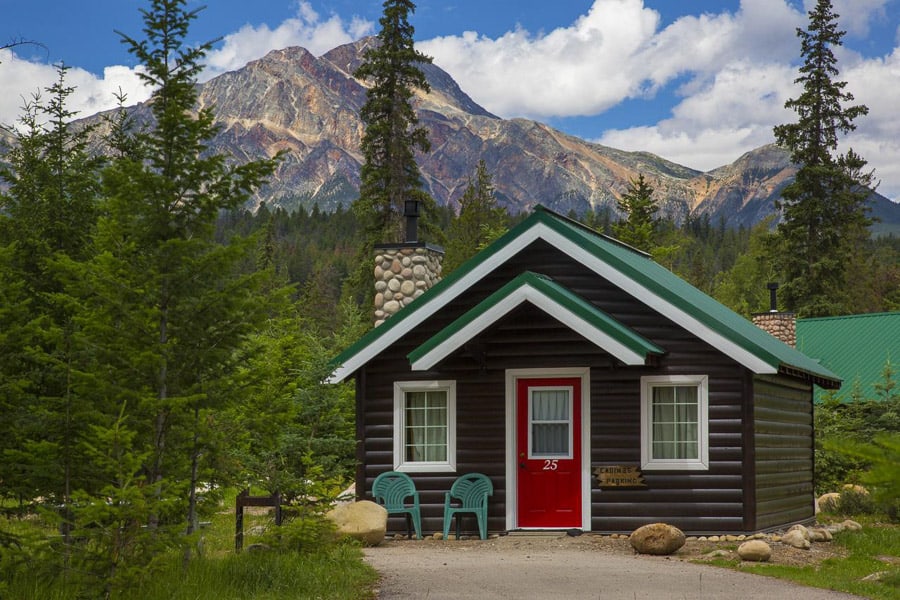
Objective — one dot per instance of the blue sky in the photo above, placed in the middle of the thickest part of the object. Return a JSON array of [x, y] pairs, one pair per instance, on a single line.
[[698, 82]]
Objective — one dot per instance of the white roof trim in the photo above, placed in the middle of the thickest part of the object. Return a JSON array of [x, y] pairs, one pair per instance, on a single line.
[[541, 231], [527, 293]]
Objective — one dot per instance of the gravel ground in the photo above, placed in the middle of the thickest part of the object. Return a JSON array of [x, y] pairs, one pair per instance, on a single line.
[[588, 566]]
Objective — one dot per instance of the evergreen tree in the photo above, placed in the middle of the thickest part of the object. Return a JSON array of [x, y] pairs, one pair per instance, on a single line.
[[165, 307], [47, 214], [479, 223], [825, 214], [390, 175], [639, 228]]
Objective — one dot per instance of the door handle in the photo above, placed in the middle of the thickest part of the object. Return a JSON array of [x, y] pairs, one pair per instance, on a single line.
[[521, 465]]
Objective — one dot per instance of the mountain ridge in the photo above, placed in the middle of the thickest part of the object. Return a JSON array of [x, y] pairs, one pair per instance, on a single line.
[[308, 108]]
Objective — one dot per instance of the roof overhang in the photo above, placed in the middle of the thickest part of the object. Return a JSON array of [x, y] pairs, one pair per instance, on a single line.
[[558, 302]]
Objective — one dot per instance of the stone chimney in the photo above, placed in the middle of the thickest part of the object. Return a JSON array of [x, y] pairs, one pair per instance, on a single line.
[[782, 325], [403, 272]]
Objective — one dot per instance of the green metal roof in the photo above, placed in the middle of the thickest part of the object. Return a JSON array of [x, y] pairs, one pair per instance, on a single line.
[[855, 347], [556, 300], [629, 269]]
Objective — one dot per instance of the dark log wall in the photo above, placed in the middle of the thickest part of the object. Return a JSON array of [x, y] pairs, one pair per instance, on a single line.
[[697, 502], [783, 427]]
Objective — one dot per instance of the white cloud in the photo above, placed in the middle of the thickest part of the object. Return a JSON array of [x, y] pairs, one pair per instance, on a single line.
[[855, 15], [307, 29], [23, 79]]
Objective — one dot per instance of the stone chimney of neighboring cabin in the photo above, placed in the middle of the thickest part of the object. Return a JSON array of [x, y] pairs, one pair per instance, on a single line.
[[782, 325], [404, 271]]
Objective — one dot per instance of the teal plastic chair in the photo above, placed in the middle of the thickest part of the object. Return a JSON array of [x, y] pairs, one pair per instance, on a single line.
[[391, 489], [471, 491]]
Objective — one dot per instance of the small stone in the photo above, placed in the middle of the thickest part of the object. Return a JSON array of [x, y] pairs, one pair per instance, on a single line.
[[714, 538], [718, 553], [396, 266], [755, 550], [391, 307], [690, 538], [829, 502], [406, 273], [702, 538], [819, 534], [796, 539], [731, 538], [802, 529], [407, 288], [380, 286], [437, 536], [419, 272], [851, 525]]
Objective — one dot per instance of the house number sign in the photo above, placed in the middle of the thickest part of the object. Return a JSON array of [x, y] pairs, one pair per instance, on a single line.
[[619, 476]]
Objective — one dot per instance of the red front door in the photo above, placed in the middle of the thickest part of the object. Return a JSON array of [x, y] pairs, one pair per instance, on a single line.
[[548, 452]]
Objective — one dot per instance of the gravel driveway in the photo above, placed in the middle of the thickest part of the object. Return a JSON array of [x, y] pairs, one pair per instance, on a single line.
[[557, 566]]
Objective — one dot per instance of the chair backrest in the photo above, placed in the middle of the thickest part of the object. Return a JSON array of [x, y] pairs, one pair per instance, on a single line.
[[471, 489], [391, 488]]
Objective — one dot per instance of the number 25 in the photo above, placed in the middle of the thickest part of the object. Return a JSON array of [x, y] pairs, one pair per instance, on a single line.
[[551, 465]]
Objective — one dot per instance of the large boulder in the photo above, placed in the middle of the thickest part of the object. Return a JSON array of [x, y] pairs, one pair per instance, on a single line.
[[755, 550], [657, 538], [365, 521]]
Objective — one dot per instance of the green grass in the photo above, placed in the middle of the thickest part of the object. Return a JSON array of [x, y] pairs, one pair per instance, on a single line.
[[846, 574], [321, 569]]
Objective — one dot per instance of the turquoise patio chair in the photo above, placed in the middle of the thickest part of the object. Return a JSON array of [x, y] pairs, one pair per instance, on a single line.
[[391, 489], [471, 491]]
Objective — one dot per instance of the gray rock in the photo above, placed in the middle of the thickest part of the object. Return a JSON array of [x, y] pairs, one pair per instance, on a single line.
[[797, 539], [657, 538], [755, 550]]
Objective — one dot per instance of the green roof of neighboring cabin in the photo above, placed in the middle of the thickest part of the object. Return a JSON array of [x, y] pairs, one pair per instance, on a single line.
[[625, 267], [856, 347]]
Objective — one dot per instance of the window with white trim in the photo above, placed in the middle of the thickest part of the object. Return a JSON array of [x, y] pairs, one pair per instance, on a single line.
[[425, 426], [675, 422]]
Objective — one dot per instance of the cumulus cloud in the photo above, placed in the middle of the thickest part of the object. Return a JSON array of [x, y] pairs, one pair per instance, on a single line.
[[24, 79], [731, 74]]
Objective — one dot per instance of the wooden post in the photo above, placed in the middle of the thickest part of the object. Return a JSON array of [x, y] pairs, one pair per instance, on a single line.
[[239, 520]]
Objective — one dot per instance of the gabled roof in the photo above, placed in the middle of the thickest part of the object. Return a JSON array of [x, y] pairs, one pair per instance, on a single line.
[[855, 347], [555, 300], [632, 271]]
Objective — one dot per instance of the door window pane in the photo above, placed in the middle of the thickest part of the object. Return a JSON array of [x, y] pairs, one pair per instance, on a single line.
[[551, 423]]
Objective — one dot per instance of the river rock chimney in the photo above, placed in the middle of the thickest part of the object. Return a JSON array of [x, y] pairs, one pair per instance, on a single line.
[[782, 325], [404, 271]]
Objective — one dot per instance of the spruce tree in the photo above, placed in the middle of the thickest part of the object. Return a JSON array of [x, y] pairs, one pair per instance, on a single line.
[[166, 308], [480, 220], [639, 227], [824, 207], [390, 175]]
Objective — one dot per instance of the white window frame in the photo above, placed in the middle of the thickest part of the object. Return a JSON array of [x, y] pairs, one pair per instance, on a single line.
[[675, 464], [400, 390]]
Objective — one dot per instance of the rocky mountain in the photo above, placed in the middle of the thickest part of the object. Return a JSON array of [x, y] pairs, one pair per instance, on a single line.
[[309, 107]]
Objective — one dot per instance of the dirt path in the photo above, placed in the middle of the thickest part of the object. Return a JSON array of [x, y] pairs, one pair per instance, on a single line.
[[558, 566]]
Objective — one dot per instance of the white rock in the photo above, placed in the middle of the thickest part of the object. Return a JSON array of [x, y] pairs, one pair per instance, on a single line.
[[755, 550]]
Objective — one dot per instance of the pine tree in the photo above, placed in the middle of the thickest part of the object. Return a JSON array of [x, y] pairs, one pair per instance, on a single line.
[[480, 220], [390, 175], [825, 214], [639, 228]]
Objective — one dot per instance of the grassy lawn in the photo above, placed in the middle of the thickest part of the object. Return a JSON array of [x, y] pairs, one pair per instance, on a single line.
[[328, 570], [875, 549]]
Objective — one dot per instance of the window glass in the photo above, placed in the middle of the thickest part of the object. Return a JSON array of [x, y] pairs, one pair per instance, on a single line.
[[674, 422], [424, 436], [551, 423]]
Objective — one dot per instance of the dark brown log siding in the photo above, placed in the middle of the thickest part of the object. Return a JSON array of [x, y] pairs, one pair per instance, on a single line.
[[783, 426], [697, 502]]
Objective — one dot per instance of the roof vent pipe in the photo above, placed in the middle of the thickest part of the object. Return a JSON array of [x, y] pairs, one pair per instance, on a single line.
[[773, 302], [411, 212]]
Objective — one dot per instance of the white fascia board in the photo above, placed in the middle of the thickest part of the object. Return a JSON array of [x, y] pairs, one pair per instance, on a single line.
[[685, 320], [562, 243], [526, 293]]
